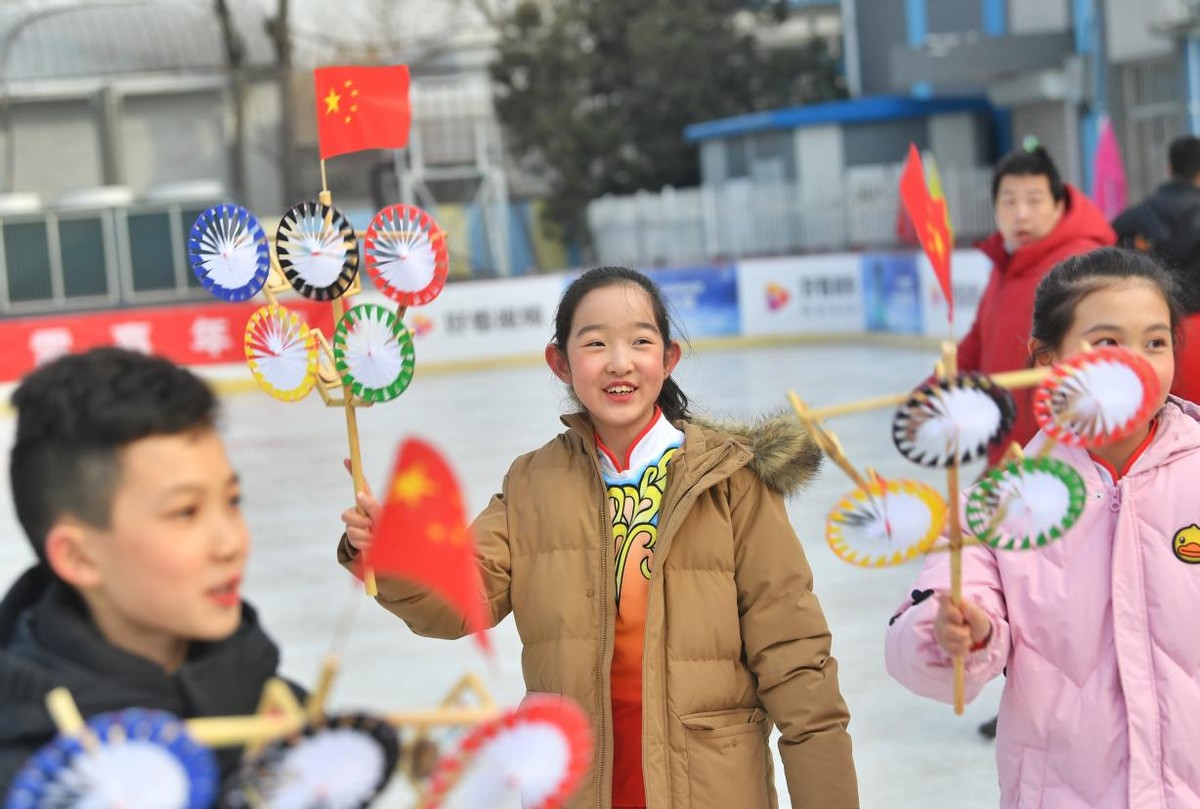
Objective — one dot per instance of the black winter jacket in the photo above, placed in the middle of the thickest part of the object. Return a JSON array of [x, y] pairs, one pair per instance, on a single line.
[[1167, 223], [48, 640]]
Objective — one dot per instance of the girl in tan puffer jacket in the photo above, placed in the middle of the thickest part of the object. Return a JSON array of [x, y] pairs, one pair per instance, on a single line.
[[654, 577]]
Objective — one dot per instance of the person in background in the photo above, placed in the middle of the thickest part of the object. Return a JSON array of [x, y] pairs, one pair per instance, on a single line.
[[1040, 220], [655, 578], [1167, 224], [126, 495], [1092, 631]]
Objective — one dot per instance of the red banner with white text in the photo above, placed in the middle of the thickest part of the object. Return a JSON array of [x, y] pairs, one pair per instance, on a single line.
[[199, 334]]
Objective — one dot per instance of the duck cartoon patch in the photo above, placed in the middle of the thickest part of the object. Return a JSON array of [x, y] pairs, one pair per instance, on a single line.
[[1186, 544]]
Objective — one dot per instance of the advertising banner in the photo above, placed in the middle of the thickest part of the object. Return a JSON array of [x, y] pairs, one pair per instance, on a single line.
[[189, 334], [891, 293], [969, 271], [478, 320], [703, 298], [801, 295]]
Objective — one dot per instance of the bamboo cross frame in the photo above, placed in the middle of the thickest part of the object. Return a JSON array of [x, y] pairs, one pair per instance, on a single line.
[[329, 381], [1025, 378], [279, 716], [947, 368], [348, 406], [827, 441]]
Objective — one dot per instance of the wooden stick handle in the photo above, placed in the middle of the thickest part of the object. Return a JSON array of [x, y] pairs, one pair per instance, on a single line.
[[1025, 378], [236, 731], [239, 731], [64, 712], [320, 695], [442, 717], [949, 367], [356, 472], [825, 440]]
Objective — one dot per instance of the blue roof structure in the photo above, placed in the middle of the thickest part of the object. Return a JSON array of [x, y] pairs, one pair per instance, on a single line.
[[850, 111]]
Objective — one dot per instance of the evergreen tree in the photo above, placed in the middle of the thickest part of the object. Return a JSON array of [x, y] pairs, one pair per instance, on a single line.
[[595, 94]]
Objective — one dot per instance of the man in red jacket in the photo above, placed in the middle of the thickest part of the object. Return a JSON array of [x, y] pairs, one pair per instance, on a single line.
[[1040, 220]]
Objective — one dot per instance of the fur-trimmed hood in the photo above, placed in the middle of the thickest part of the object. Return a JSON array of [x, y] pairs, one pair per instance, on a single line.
[[783, 452]]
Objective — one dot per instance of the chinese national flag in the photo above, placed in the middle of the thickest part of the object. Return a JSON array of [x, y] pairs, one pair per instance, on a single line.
[[931, 220], [423, 535], [361, 108]]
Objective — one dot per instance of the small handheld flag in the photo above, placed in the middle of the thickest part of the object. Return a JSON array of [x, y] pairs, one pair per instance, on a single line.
[[931, 221], [423, 535], [361, 108]]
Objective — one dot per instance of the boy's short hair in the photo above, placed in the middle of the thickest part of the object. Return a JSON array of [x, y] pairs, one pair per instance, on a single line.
[[75, 415], [1035, 162], [1184, 157]]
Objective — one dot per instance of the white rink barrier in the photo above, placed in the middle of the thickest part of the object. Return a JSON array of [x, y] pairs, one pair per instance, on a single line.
[[474, 323]]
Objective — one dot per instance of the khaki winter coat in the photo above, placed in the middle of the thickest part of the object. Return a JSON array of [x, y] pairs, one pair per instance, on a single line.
[[735, 638]]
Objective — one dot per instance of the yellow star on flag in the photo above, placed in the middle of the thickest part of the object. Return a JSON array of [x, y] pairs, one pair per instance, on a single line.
[[331, 101], [349, 87], [936, 245], [411, 486], [437, 532]]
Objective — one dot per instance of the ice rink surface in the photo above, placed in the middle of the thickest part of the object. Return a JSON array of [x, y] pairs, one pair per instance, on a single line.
[[911, 753]]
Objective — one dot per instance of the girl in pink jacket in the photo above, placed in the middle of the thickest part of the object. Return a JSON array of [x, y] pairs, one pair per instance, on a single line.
[[1096, 632]]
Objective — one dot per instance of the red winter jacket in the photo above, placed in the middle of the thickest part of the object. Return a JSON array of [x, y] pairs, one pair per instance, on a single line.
[[999, 339]]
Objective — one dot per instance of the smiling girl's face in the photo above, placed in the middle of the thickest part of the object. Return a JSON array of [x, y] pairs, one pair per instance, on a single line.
[[616, 361]]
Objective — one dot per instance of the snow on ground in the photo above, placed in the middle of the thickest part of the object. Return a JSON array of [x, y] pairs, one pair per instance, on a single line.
[[910, 752]]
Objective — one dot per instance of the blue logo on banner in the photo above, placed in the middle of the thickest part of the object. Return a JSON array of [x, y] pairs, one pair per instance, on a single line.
[[891, 293], [704, 298]]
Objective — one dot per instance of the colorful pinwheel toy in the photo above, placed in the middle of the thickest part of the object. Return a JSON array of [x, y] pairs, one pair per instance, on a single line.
[[281, 353], [228, 252], [1025, 503], [887, 523], [373, 351], [406, 255], [1097, 397], [953, 421], [537, 754], [339, 762], [134, 759]]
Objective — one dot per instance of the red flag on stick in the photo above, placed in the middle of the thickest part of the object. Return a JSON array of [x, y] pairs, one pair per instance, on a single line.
[[930, 219], [361, 108], [423, 535]]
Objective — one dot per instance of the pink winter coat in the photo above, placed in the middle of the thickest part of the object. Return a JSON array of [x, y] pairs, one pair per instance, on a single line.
[[1098, 633]]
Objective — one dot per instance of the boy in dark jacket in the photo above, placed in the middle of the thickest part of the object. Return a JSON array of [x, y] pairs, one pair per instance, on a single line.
[[122, 485]]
